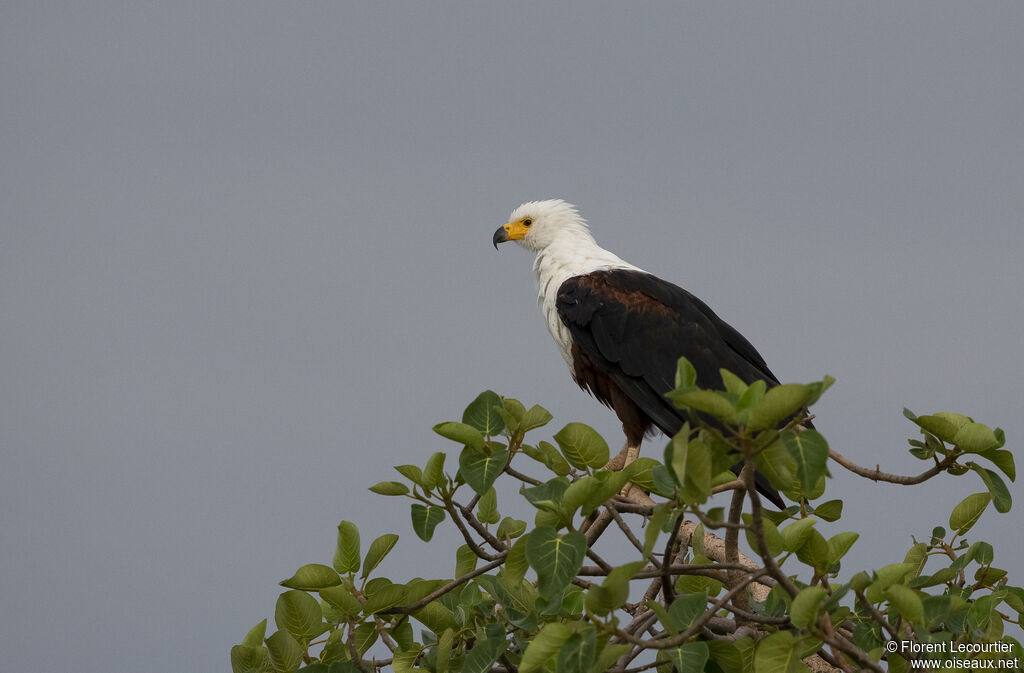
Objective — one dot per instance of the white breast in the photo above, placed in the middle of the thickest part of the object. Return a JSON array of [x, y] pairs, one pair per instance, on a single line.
[[556, 264]]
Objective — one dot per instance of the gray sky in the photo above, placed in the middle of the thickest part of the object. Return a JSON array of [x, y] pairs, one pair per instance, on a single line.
[[245, 265]]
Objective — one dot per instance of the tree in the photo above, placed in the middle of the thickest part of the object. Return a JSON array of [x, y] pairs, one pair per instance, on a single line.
[[545, 596]]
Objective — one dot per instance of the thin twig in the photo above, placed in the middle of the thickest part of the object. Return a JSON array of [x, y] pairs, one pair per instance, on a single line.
[[481, 529], [521, 477], [434, 595], [470, 542], [630, 536], [696, 626], [747, 474], [877, 475]]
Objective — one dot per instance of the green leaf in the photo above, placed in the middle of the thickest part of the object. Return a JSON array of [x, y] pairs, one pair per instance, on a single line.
[[255, 636], [249, 658], [1003, 459], [691, 462], [365, 636], [312, 577], [591, 492], [804, 610], [285, 653], [299, 614], [436, 617], [614, 590], [983, 553], [485, 652], [403, 660], [607, 657], [346, 555], [685, 609], [771, 535], [688, 658], [698, 584], [749, 398], [433, 473], [988, 576], [686, 375], [776, 463], [838, 545], [829, 511], [967, 513], [510, 528], [640, 472], [810, 451], [379, 548], [814, 551], [487, 507], [512, 412], [555, 558], [444, 650], [582, 446], [516, 563], [544, 646], [886, 576], [425, 519], [341, 598], [976, 438], [546, 496], [383, 596], [479, 469], [482, 414], [996, 487], [390, 488], [907, 601], [653, 530], [818, 388], [778, 654], [465, 560], [461, 433], [710, 402], [943, 425], [548, 455], [733, 657], [579, 492], [732, 383], [536, 417], [413, 473], [778, 404], [795, 534], [577, 654]]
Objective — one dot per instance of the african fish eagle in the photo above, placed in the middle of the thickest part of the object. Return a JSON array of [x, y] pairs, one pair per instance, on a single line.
[[622, 330]]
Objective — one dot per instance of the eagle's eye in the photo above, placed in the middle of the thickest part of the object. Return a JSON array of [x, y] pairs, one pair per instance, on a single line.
[[527, 222]]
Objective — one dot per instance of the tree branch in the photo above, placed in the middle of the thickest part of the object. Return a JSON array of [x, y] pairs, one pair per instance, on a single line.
[[877, 474]]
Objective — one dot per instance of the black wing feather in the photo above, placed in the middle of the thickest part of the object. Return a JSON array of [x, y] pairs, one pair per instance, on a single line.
[[635, 327]]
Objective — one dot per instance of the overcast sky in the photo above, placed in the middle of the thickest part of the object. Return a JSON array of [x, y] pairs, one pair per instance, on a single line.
[[245, 265]]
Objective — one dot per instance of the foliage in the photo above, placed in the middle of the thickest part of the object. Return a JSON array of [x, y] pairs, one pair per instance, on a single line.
[[541, 596]]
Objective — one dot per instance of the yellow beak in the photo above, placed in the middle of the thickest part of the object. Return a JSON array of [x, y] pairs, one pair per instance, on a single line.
[[509, 232]]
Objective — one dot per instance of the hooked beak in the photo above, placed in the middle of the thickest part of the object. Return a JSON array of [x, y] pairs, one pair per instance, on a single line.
[[500, 236], [513, 231]]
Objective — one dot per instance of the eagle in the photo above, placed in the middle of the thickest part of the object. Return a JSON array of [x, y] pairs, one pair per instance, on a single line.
[[622, 330]]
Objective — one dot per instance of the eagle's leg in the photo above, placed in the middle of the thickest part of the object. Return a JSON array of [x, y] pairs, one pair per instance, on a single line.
[[629, 453]]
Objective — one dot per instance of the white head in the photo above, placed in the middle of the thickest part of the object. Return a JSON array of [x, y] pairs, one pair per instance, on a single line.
[[538, 224]]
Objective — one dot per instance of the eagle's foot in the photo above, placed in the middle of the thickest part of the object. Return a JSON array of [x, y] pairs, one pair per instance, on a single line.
[[630, 492], [624, 458], [637, 495]]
